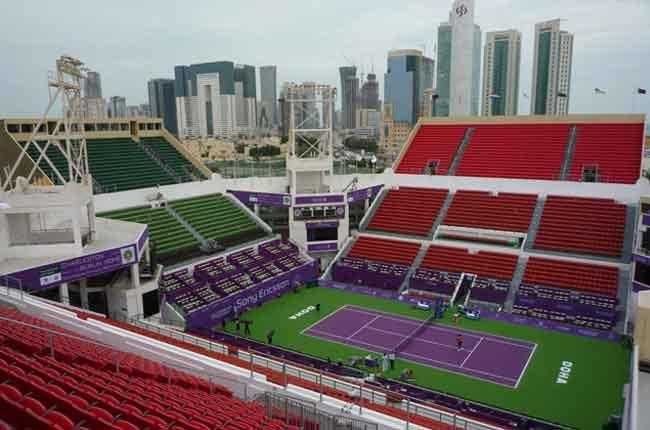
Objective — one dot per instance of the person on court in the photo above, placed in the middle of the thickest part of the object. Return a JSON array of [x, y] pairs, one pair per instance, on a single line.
[[459, 342]]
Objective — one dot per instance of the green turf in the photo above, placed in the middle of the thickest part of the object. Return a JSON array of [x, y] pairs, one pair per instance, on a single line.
[[592, 394]]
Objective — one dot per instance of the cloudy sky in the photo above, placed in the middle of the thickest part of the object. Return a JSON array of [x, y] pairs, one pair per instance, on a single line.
[[129, 42]]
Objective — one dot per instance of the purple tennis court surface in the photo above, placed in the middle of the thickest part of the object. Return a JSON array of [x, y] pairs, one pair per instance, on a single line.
[[492, 358]]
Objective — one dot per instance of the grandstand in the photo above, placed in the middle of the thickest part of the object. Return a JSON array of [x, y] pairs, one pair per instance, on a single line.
[[581, 225], [408, 211], [167, 233], [502, 211], [216, 217], [523, 218]]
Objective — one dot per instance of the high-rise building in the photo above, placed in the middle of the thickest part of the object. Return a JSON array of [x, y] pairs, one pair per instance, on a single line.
[[117, 107], [245, 99], [268, 92], [403, 84], [370, 93], [349, 96], [501, 62], [162, 102], [459, 62], [428, 68], [551, 69], [284, 110], [215, 99], [92, 85]]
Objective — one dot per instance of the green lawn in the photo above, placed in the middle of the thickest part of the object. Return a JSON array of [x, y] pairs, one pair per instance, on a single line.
[[593, 391]]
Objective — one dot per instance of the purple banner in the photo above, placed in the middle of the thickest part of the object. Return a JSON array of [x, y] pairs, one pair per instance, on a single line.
[[323, 247], [639, 286], [643, 259], [365, 193], [82, 267], [263, 292], [142, 240], [327, 198], [645, 220], [324, 224], [264, 199]]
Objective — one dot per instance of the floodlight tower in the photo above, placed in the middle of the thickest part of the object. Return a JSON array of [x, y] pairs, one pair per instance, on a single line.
[[65, 134], [55, 215], [310, 158]]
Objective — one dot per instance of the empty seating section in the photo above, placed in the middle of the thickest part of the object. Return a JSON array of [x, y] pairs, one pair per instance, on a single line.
[[370, 273], [216, 217], [483, 263], [615, 149], [55, 156], [212, 280], [481, 209], [590, 278], [169, 155], [520, 151], [81, 386], [120, 165], [384, 250], [166, 232], [432, 143], [582, 225], [442, 266], [409, 210]]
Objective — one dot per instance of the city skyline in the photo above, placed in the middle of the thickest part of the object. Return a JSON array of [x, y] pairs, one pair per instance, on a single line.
[[624, 41]]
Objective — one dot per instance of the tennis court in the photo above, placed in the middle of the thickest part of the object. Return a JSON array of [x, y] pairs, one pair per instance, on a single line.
[[491, 358]]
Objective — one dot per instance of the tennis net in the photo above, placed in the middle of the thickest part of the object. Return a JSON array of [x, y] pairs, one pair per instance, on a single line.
[[415, 333]]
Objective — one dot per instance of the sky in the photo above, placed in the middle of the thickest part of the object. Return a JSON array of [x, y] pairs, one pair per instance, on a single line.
[[130, 42]]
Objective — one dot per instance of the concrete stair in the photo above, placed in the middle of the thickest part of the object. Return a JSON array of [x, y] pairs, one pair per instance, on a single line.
[[460, 151], [534, 223], [414, 266], [517, 277], [441, 215], [568, 154]]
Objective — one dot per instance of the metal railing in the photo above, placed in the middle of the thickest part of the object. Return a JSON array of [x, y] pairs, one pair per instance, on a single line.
[[306, 415]]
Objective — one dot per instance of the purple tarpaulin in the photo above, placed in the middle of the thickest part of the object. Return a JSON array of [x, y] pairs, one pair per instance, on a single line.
[[645, 220], [142, 240], [318, 199], [254, 296], [323, 247], [77, 268], [639, 286], [640, 258], [364, 193], [264, 199]]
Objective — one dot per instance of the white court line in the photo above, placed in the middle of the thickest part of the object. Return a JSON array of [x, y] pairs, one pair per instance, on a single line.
[[472, 351], [417, 339], [364, 326], [422, 360], [530, 357], [331, 314], [326, 334], [425, 359], [500, 339]]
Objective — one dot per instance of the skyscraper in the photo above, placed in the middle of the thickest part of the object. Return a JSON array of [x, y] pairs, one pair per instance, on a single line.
[[501, 62], [551, 69], [245, 98], [117, 107], [459, 62], [403, 84], [370, 93], [92, 86], [215, 99], [162, 102], [268, 92], [349, 96]]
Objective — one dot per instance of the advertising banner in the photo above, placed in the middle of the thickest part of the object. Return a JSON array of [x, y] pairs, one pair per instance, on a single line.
[[315, 200], [364, 193], [323, 247], [263, 199], [77, 268]]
